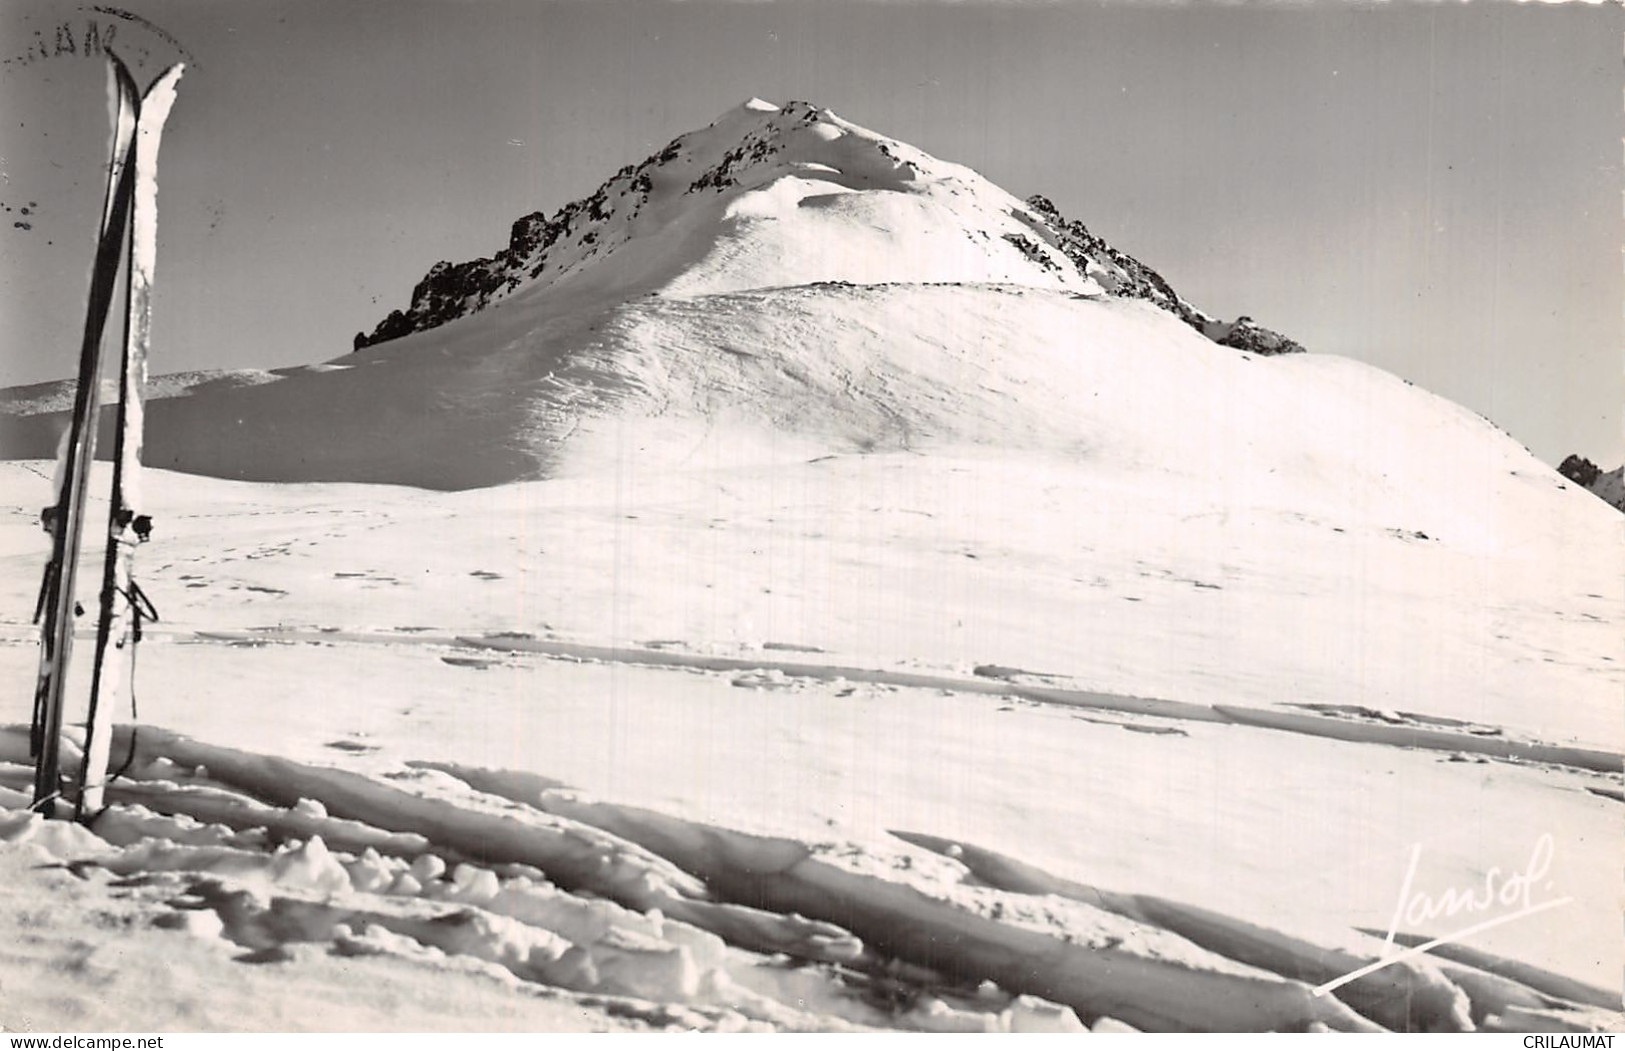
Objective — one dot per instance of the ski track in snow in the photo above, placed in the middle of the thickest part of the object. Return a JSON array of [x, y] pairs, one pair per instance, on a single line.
[[1406, 730], [913, 982], [438, 861]]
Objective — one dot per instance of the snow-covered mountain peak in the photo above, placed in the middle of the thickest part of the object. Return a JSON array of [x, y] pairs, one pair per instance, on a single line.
[[769, 197], [780, 285]]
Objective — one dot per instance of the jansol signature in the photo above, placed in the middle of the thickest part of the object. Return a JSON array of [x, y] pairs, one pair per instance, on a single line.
[[1507, 895]]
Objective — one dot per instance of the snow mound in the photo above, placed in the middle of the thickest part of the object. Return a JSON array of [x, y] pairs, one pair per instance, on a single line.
[[789, 374]]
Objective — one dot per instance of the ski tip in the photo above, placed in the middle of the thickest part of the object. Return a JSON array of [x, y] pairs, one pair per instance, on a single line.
[[119, 75], [163, 84], [167, 80]]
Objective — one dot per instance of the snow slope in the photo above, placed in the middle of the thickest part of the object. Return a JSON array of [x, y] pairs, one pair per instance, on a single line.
[[1303, 525]]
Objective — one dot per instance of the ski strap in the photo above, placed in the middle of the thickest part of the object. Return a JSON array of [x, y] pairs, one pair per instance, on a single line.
[[141, 609], [47, 580]]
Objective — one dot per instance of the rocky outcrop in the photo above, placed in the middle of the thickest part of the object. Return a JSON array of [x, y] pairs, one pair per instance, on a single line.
[[1610, 488], [1118, 273], [1121, 274], [445, 293], [1246, 334], [1579, 470], [451, 290], [1607, 486]]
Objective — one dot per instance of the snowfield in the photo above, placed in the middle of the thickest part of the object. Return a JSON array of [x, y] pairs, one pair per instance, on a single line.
[[658, 643], [801, 608]]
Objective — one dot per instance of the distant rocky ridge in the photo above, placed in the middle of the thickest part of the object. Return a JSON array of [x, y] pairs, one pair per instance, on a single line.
[[542, 248], [1608, 486]]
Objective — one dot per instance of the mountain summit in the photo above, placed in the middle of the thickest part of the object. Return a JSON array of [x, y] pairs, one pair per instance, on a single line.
[[785, 286], [771, 197]]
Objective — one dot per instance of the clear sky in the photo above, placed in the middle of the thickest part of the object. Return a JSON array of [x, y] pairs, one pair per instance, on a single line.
[[1435, 189]]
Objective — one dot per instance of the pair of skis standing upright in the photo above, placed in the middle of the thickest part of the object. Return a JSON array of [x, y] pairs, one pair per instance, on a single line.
[[130, 205]]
